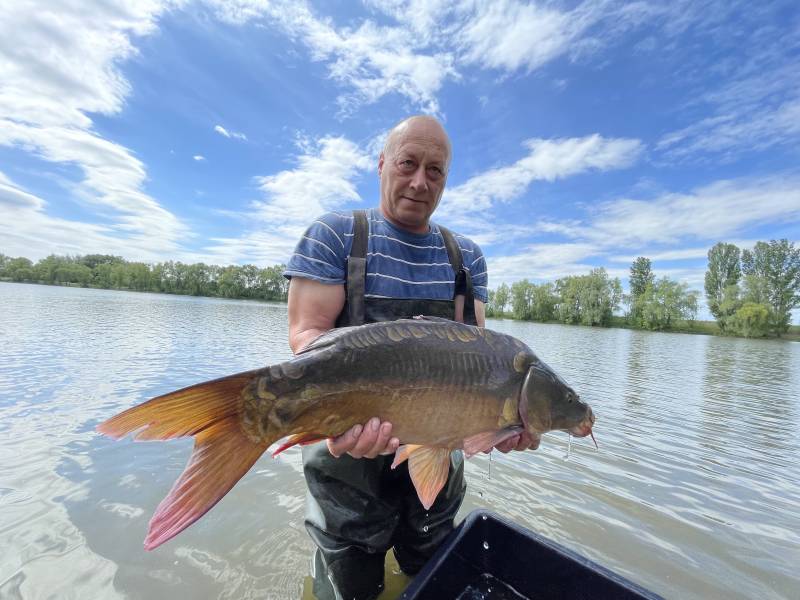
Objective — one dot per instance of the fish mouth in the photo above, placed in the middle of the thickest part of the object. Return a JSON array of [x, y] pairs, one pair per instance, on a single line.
[[584, 428]]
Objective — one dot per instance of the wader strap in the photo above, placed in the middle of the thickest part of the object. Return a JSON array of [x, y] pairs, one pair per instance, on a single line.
[[463, 278], [357, 268]]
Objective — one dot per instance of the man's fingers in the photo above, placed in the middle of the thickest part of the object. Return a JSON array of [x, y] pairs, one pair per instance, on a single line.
[[392, 446], [381, 443], [345, 442]]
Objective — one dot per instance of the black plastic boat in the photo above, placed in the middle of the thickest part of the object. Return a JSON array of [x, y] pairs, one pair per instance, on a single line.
[[489, 558]]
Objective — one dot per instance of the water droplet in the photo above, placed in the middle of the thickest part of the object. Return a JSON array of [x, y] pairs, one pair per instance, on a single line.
[[425, 529], [485, 545], [484, 517]]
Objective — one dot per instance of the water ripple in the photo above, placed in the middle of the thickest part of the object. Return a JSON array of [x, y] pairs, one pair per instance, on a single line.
[[693, 492]]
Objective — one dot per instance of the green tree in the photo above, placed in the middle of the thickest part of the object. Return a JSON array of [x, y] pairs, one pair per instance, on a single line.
[[641, 275], [587, 299], [20, 269], [521, 297], [501, 298], [543, 303], [774, 271], [751, 320], [665, 303], [724, 271]]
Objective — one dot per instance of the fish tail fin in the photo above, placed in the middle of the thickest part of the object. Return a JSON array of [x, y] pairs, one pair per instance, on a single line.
[[223, 453]]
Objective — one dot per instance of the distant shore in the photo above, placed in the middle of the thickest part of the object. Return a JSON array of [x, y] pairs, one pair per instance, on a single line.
[[697, 327]]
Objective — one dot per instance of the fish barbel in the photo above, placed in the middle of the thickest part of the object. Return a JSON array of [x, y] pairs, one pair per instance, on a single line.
[[443, 386]]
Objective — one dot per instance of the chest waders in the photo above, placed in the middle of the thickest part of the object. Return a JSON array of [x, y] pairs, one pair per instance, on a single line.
[[356, 509]]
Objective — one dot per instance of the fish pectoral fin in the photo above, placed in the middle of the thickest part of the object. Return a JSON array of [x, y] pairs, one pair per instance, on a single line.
[[488, 439], [304, 439], [429, 467], [402, 453]]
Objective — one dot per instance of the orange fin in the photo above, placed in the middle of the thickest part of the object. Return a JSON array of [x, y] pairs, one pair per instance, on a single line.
[[402, 453], [429, 467], [223, 453], [181, 413], [488, 439], [304, 439]]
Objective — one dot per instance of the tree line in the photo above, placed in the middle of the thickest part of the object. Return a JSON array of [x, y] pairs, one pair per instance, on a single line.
[[749, 292], [753, 292], [592, 299], [114, 272]]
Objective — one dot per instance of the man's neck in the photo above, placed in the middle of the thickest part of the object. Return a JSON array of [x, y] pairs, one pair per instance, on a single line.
[[421, 231]]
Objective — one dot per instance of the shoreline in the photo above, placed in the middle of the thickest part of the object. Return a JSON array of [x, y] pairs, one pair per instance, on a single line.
[[698, 328]]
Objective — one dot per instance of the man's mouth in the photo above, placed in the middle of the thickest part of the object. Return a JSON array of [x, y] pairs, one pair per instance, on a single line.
[[412, 200]]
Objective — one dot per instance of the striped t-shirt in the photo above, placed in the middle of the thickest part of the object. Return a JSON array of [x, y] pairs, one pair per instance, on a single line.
[[399, 264]]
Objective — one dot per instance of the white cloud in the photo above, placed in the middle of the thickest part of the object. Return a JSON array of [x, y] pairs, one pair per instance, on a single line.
[[712, 212], [661, 229], [230, 134], [511, 35], [60, 63], [199, 157], [370, 59], [542, 262], [27, 230], [323, 180], [547, 160], [750, 104]]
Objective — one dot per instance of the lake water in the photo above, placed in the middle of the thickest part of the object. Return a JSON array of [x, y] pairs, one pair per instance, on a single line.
[[694, 492]]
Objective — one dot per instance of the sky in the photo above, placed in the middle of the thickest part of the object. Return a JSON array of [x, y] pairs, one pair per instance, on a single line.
[[584, 134]]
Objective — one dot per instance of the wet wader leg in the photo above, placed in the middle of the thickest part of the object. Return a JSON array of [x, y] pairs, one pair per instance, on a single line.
[[350, 520], [413, 545]]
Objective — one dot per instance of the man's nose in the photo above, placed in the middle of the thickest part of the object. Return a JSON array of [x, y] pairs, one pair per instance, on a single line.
[[418, 180]]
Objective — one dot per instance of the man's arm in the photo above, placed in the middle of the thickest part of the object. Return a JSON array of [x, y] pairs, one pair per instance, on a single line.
[[313, 309]]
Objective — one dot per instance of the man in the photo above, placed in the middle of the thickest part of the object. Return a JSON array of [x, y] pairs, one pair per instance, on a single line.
[[383, 264]]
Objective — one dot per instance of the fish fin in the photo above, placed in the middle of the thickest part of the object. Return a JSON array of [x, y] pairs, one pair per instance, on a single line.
[[326, 339], [429, 467], [184, 412], [484, 440], [304, 439], [402, 453], [222, 455], [427, 318]]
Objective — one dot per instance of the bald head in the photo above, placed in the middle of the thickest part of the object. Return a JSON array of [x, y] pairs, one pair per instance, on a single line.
[[430, 126], [413, 170]]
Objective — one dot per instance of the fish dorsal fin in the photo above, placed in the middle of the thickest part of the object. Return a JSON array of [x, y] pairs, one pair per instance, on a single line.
[[488, 439], [431, 319], [428, 467], [326, 339]]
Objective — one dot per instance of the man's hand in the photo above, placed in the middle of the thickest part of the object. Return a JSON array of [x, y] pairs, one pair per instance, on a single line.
[[522, 441], [367, 441]]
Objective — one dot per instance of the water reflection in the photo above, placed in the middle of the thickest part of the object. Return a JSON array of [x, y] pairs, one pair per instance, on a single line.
[[693, 492]]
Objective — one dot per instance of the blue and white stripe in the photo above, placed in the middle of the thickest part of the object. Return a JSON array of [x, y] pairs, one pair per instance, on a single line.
[[399, 264]]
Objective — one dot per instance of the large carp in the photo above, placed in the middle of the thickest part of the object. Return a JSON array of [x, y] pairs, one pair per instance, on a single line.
[[443, 385]]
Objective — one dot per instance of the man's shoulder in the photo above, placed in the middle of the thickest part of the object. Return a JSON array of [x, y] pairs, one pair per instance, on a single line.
[[338, 222], [465, 243]]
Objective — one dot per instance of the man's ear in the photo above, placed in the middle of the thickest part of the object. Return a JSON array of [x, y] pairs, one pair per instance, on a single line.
[[380, 165]]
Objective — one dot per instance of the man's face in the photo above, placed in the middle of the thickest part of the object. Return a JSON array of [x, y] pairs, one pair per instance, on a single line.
[[413, 174]]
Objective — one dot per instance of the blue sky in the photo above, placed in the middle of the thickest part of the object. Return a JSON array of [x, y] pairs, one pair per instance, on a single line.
[[584, 133]]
